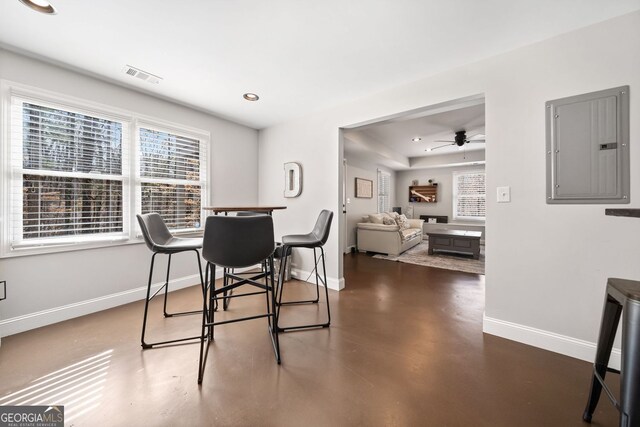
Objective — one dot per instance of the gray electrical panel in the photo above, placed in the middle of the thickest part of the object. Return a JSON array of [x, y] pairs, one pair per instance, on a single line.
[[588, 148]]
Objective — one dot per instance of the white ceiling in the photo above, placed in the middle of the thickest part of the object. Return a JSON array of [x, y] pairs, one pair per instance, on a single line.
[[390, 143], [398, 134], [300, 56]]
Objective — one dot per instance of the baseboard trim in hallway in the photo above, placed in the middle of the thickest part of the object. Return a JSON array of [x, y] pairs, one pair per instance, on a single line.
[[50, 316], [568, 346]]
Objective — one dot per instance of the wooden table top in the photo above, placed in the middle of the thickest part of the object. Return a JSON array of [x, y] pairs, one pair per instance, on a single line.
[[266, 209], [456, 233]]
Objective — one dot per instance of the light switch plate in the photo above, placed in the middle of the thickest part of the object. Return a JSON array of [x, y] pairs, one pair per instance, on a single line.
[[504, 194]]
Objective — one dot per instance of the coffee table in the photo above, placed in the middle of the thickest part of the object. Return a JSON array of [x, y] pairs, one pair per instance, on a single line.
[[461, 241]]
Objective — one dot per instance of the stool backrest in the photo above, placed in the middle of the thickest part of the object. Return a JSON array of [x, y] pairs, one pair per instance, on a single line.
[[235, 242], [323, 226], [154, 230]]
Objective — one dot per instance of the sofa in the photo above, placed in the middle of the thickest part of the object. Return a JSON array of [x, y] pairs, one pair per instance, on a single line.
[[388, 233]]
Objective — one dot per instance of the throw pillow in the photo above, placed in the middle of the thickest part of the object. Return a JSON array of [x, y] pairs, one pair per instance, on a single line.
[[388, 221], [402, 222]]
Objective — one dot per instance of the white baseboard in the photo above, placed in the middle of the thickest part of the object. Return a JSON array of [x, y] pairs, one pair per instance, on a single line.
[[307, 276], [38, 319], [557, 343]]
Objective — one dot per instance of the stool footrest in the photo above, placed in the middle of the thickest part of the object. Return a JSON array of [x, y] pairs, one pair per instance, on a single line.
[[606, 389]]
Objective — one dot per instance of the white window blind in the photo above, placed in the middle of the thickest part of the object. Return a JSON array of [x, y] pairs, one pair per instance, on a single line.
[[66, 174], [384, 191], [172, 174], [469, 195]]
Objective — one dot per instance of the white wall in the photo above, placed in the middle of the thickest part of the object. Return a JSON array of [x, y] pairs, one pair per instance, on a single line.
[[359, 207], [45, 288], [550, 291]]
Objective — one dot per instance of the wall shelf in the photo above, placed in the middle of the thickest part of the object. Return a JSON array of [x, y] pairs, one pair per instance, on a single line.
[[423, 193]]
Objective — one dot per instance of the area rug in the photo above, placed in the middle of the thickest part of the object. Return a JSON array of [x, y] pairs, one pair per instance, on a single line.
[[449, 261]]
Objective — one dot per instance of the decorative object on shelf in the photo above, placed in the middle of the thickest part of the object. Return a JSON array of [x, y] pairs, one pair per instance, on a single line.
[[364, 188], [430, 182], [423, 193], [415, 182], [292, 179], [397, 209]]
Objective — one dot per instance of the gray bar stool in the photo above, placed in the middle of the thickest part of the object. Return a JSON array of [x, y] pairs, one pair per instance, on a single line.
[[234, 242], [160, 241], [623, 297], [314, 240]]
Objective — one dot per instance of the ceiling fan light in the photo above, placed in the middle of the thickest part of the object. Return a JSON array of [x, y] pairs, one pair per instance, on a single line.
[[250, 96], [42, 6], [429, 149], [416, 139]]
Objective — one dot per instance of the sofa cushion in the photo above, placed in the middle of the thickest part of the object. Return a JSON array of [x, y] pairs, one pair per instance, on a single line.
[[402, 222], [376, 218], [388, 221], [409, 233]]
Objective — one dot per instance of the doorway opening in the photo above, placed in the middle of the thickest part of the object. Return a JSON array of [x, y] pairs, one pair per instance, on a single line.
[[427, 163]]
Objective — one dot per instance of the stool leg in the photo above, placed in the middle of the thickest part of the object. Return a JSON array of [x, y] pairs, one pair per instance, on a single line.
[[166, 288], [326, 287], [146, 303], [315, 261], [610, 319], [283, 266], [630, 369]]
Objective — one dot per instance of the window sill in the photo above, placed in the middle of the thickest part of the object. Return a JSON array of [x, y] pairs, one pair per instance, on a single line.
[[20, 251]]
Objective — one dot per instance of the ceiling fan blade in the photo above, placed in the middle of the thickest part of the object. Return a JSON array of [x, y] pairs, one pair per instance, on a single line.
[[440, 146], [476, 141], [443, 140], [477, 137]]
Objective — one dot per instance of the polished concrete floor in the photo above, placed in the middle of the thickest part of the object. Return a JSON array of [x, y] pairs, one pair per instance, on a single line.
[[405, 348]]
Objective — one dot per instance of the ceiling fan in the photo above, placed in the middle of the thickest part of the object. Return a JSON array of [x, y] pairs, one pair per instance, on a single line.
[[460, 140]]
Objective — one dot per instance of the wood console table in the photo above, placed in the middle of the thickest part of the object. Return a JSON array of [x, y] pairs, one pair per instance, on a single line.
[[226, 209]]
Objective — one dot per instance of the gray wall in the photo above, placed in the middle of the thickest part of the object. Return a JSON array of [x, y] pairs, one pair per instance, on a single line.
[[549, 293], [45, 288]]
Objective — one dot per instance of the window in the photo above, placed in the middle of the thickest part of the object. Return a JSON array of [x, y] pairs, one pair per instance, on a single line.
[[171, 177], [67, 180], [469, 195], [384, 191]]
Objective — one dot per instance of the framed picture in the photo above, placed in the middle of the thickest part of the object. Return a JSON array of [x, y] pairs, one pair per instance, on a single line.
[[364, 188]]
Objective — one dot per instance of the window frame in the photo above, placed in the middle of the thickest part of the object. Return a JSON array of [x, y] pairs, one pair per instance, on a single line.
[[132, 121], [454, 196]]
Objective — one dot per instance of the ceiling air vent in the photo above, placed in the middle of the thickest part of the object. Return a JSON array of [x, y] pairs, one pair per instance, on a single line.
[[142, 75]]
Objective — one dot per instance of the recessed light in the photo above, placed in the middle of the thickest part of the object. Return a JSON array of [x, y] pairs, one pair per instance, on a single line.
[[250, 96], [416, 139], [42, 6]]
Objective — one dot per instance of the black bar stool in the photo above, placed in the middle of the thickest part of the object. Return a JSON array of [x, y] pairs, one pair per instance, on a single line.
[[234, 242], [623, 297], [314, 240], [160, 241]]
